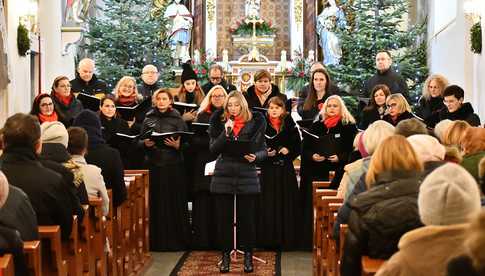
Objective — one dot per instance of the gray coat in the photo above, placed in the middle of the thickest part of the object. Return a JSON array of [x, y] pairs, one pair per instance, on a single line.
[[236, 175]]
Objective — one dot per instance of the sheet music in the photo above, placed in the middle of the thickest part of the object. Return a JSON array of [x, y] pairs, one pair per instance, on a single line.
[[210, 167]]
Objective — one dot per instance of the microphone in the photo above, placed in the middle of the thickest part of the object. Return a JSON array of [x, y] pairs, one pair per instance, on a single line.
[[229, 129]]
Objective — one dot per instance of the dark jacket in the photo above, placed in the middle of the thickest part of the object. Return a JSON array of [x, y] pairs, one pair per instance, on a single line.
[[403, 116], [253, 100], [229, 87], [288, 137], [147, 90], [161, 155], [368, 116], [17, 213], [465, 113], [390, 78], [233, 175], [379, 217], [93, 87], [67, 113], [12, 243], [463, 265], [428, 108], [44, 187]]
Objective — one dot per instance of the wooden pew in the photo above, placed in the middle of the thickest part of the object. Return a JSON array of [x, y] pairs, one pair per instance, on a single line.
[[86, 243], [71, 250], [115, 263], [332, 253], [56, 265], [97, 223], [125, 217], [7, 267], [342, 233], [33, 256], [136, 205], [371, 266]]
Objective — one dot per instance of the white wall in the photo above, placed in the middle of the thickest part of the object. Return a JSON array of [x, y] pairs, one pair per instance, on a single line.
[[449, 53]]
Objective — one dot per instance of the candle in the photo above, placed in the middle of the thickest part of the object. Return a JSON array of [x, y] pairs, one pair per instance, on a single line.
[[196, 56]]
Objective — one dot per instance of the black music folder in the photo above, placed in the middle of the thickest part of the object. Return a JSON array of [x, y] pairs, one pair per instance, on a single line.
[[325, 145], [159, 138], [199, 128], [184, 107], [89, 101], [238, 148], [306, 123], [273, 142], [129, 112]]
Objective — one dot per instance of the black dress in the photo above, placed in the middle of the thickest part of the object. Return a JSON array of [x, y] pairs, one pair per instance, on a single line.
[[203, 205], [277, 210], [314, 171], [169, 223]]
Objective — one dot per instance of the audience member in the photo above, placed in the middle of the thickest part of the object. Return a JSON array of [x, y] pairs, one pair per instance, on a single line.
[[410, 127], [376, 109], [473, 145], [440, 129], [43, 108], [431, 102], [398, 109]]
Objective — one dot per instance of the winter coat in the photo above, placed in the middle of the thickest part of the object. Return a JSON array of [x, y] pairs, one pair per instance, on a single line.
[[235, 175], [93, 87], [379, 217], [403, 116], [288, 137], [368, 116], [17, 213], [470, 163], [426, 251], [393, 80], [12, 243], [253, 100], [67, 113], [44, 187], [429, 107], [161, 155], [147, 90], [227, 86], [465, 113]]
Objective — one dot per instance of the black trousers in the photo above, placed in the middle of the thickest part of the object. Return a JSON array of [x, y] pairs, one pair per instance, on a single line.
[[245, 217]]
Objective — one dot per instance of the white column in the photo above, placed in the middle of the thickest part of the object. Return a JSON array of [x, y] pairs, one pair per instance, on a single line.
[[296, 25], [50, 22], [211, 27]]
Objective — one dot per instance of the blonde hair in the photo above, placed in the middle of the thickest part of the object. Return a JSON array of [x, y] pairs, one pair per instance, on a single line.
[[122, 81], [246, 114], [375, 133], [442, 81], [347, 118], [206, 102], [402, 103], [475, 241], [473, 140], [455, 132], [395, 153], [441, 127]]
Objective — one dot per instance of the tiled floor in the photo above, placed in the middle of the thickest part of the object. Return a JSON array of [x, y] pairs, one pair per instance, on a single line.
[[292, 263]]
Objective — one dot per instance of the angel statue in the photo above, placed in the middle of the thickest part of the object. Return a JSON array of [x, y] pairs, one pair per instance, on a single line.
[[180, 29], [332, 17], [252, 8]]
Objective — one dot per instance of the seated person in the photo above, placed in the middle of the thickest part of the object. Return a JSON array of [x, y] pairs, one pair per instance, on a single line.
[[410, 127]]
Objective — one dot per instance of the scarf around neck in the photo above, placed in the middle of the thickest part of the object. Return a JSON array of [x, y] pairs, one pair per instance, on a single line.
[[331, 121], [48, 118], [275, 123]]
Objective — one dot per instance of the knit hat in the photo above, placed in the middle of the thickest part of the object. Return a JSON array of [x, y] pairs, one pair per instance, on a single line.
[[54, 132], [90, 121], [188, 73], [427, 147], [448, 195], [4, 188]]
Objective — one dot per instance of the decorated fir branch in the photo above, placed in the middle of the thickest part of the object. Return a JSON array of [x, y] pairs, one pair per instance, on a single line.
[[243, 28], [476, 38]]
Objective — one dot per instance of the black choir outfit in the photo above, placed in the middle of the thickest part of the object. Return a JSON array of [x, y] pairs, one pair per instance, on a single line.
[[318, 171], [169, 223], [312, 112], [465, 113], [370, 115], [236, 176], [277, 210], [400, 117], [203, 205], [253, 100], [427, 108]]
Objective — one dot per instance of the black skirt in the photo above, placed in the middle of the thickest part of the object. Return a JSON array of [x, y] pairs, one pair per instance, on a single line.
[[169, 222], [277, 209]]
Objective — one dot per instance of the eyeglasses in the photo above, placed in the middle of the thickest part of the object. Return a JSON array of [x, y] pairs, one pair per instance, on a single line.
[[46, 104], [215, 78], [392, 105], [65, 86], [150, 73]]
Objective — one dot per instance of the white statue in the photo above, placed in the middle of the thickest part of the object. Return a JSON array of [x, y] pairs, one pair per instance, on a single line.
[[252, 8], [327, 21], [180, 29]]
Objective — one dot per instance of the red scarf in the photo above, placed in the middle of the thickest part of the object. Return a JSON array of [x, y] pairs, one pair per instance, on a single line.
[[275, 123], [47, 118], [238, 125], [127, 100], [319, 106], [65, 100], [208, 109], [331, 121]]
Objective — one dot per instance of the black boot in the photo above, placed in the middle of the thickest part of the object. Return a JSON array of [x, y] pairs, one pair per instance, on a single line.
[[248, 262], [225, 262]]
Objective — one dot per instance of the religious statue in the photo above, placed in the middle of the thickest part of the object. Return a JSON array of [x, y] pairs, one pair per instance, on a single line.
[[76, 11], [252, 8], [332, 17], [179, 32]]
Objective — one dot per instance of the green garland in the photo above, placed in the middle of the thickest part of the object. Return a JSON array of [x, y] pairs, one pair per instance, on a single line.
[[476, 38], [23, 40], [246, 29]]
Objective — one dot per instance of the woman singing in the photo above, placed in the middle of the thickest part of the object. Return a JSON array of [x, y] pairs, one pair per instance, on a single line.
[[236, 175]]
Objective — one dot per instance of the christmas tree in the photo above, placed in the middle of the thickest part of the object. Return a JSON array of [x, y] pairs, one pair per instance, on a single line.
[[129, 35], [375, 25]]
